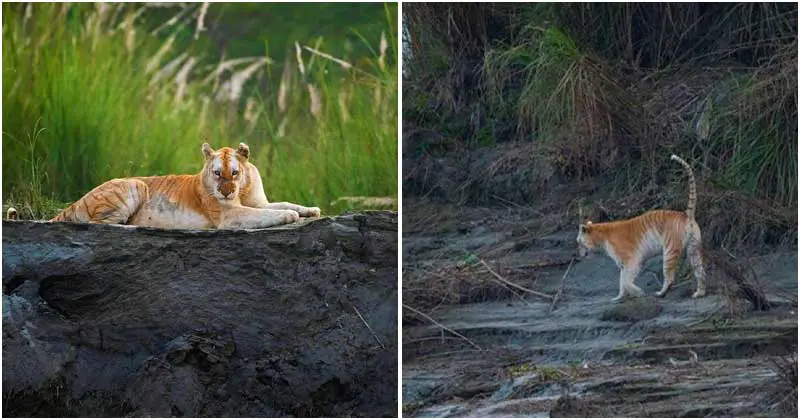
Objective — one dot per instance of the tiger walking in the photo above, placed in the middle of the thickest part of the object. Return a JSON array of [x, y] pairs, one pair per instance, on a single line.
[[631, 242]]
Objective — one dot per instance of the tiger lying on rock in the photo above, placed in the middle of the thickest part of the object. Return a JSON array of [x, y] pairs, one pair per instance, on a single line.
[[227, 193], [630, 242]]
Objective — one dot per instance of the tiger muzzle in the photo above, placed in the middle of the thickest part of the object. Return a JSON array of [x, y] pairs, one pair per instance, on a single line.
[[227, 189]]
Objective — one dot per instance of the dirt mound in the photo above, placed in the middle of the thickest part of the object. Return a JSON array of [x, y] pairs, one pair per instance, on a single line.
[[119, 321]]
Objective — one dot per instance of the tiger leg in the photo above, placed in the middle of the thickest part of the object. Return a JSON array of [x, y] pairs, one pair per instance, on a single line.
[[114, 201], [671, 257], [631, 288], [622, 281], [301, 210], [256, 198], [696, 261], [252, 218], [626, 277]]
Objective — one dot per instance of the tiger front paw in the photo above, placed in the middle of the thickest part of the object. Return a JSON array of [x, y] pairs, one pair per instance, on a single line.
[[311, 212], [290, 216]]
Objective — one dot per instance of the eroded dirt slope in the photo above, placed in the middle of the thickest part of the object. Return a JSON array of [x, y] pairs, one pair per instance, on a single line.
[[291, 321]]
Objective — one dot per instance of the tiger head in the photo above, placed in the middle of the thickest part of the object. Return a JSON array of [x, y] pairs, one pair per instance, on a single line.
[[586, 242], [225, 172], [12, 214]]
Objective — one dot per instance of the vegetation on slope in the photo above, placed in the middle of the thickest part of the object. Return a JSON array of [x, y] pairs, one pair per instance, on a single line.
[[610, 91]]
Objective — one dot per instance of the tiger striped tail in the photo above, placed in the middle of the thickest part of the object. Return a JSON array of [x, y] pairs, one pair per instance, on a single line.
[[692, 186]]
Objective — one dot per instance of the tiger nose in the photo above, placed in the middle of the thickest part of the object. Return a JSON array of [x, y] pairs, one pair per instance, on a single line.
[[226, 190]]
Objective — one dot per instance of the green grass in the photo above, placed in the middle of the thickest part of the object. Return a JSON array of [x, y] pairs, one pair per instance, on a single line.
[[248, 29], [567, 100], [757, 132], [83, 103]]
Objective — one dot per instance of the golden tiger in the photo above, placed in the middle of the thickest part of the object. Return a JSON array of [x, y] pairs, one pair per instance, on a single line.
[[630, 242], [227, 193]]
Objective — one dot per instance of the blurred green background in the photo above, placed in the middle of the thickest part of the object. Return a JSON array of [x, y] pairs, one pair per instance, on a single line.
[[97, 91]]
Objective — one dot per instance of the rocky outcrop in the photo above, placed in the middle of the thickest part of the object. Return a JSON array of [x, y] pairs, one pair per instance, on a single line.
[[104, 320]]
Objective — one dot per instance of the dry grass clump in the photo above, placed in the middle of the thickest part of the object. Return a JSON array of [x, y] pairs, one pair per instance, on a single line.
[[450, 283], [470, 280], [735, 220], [572, 104], [737, 282], [448, 39]]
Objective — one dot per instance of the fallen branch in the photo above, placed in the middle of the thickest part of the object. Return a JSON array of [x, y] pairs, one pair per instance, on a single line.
[[423, 339], [426, 316], [563, 284], [541, 264], [512, 292], [524, 289]]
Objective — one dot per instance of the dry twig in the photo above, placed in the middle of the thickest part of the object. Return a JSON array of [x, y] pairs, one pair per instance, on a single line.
[[368, 327], [524, 289], [563, 284], [426, 316]]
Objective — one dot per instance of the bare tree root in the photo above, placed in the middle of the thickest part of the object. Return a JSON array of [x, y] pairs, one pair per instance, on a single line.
[[734, 275]]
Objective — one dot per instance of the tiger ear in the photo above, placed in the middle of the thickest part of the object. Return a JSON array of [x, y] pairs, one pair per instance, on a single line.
[[243, 151], [586, 228], [208, 152]]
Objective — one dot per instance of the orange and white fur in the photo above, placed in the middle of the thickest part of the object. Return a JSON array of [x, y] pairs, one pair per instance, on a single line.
[[227, 193], [631, 242]]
